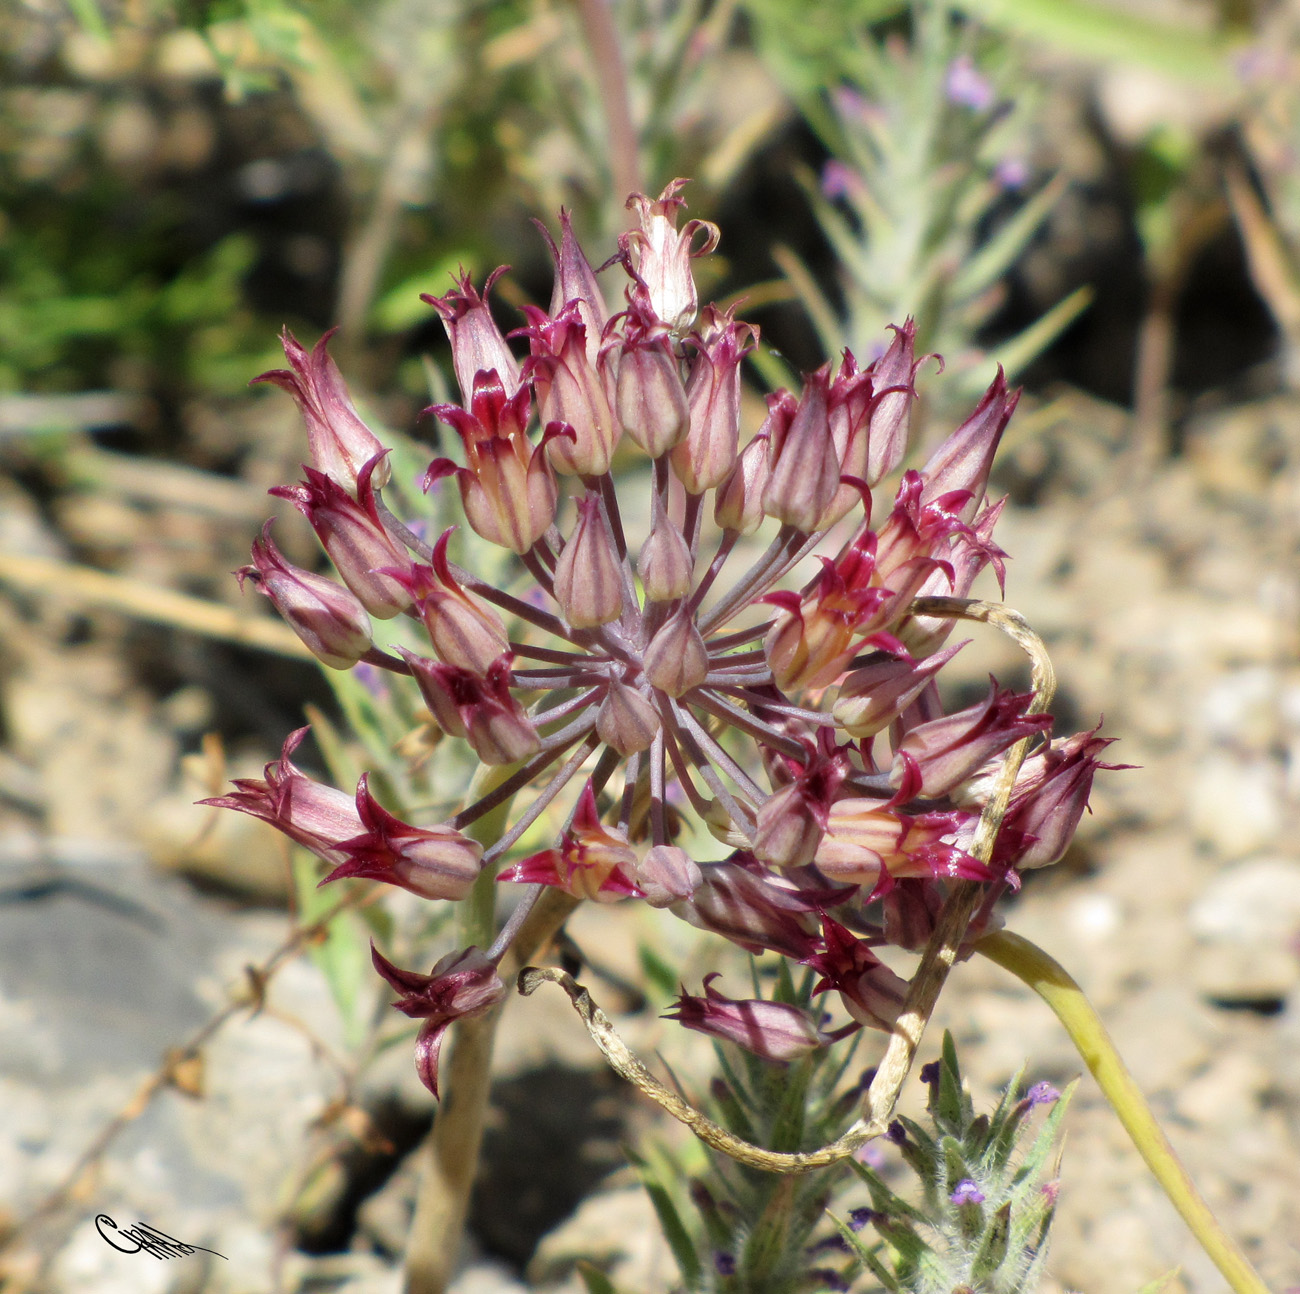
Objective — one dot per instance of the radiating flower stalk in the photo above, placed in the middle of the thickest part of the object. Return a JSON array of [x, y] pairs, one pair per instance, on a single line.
[[763, 659]]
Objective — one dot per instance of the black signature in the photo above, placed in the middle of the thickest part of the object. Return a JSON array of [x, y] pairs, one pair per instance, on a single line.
[[148, 1239]]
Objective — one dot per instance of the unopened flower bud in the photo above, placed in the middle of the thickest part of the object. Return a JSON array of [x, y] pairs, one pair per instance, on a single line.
[[738, 502], [433, 862], [463, 629], [773, 1030], [588, 575], [892, 376], [572, 392], [463, 985], [677, 659], [339, 442], [872, 697], [787, 833], [650, 395], [332, 624], [709, 451], [576, 281], [355, 537], [963, 461], [477, 345], [626, 720], [664, 564], [805, 470], [667, 874]]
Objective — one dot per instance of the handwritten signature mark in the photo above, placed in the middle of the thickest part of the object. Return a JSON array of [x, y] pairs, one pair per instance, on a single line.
[[146, 1239]]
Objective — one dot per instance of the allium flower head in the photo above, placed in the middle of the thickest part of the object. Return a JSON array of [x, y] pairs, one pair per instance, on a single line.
[[706, 620]]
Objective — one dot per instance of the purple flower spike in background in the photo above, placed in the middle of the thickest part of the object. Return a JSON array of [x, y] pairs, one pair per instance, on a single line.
[[967, 87]]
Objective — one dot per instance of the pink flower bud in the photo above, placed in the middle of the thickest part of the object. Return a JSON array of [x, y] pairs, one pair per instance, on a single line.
[[463, 985], [576, 281], [354, 536], [626, 720], [433, 862], [483, 710], [892, 378], [316, 816], [332, 624], [589, 574], [676, 659], [592, 861], [966, 556], [805, 471], [872, 697], [740, 901], [660, 257], [814, 638], [946, 751], [508, 488], [738, 503], [773, 1030], [339, 442], [872, 994], [667, 875], [709, 451], [1049, 798], [651, 397], [963, 461], [463, 629], [664, 564], [848, 414], [477, 345], [572, 392], [792, 820], [788, 834]]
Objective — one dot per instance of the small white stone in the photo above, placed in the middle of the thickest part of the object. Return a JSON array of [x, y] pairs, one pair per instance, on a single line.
[[1234, 804], [1094, 917], [1257, 901]]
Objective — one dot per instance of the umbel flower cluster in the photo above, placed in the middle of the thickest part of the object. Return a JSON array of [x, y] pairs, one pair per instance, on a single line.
[[676, 672]]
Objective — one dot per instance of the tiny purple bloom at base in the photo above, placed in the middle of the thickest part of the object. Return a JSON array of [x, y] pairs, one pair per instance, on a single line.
[[967, 1193], [859, 1218]]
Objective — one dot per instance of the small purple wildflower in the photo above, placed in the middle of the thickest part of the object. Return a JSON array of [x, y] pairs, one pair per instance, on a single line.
[[859, 1218], [828, 1244], [966, 87], [872, 1155], [724, 1264], [967, 1193], [839, 181], [1011, 173], [930, 1073], [828, 1279], [1042, 1094], [372, 679]]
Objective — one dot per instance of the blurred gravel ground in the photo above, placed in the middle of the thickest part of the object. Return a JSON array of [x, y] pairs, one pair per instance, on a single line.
[[1170, 603]]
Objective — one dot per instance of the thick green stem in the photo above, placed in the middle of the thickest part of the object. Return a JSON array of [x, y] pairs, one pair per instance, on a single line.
[[1053, 984]]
